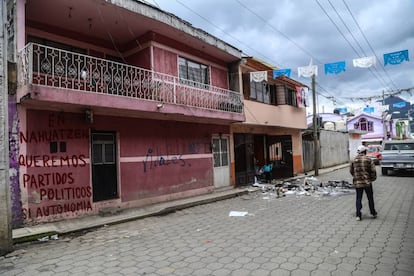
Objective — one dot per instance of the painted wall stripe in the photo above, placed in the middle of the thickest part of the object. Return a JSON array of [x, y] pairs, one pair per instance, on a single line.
[[143, 158]]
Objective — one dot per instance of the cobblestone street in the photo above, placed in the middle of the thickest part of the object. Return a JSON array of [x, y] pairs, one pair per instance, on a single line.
[[292, 235]]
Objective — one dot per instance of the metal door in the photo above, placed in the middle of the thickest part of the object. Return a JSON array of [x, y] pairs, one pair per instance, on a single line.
[[244, 158], [221, 162], [281, 155], [104, 170]]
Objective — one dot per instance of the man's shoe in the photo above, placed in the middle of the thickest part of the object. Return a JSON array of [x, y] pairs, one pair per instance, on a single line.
[[358, 218], [374, 216]]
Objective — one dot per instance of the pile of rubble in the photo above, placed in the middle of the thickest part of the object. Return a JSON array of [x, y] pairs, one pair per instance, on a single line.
[[308, 186]]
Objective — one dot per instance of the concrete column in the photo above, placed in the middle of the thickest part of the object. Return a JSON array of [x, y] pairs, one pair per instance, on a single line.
[[6, 239]]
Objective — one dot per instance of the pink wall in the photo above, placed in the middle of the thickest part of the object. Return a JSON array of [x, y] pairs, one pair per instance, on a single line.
[[55, 181], [165, 62], [280, 115], [161, 157], [155, 158], [219, 78], [141, 59]]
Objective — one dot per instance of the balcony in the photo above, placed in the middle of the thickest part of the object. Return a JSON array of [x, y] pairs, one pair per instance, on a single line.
[[60, 77]]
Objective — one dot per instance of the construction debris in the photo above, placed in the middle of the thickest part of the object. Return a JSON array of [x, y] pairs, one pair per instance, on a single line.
[[308, 186]]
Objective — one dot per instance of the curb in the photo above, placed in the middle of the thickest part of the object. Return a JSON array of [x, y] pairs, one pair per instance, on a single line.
[[34, 233]]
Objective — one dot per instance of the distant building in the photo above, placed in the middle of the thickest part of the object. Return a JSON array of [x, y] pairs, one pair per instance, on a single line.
[[402, 114], [328, 121], [370, 126]]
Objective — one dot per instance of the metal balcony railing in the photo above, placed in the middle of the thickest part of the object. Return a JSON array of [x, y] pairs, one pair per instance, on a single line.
[[52, 67]]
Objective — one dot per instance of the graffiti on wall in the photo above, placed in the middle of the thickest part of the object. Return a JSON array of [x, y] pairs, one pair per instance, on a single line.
[[53, 178], [17, 215], [157, 159]]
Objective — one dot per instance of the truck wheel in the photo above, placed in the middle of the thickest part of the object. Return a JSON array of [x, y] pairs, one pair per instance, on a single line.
[[384, 171]]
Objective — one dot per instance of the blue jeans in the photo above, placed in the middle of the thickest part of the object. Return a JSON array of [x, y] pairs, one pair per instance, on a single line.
[[370, 196]]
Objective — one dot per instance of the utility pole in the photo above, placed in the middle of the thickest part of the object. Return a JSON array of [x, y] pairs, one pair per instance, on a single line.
[[384, 121], [6, 240], [315, 130]]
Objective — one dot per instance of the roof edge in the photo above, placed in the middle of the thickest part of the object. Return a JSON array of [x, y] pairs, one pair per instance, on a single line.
[[172, 20]]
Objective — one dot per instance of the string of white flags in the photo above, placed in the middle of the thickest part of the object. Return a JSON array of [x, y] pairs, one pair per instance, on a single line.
[[302, 92], [336, 68]]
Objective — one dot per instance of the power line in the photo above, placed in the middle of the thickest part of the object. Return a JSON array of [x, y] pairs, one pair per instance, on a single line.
[[349, 43], [389, 93], [329, 96], [236, 39], [226, 33], [230, 35], [369, 44], [356, 40], [156, 4], [337, 28], [346, 26], [285, 36], [359, 45], [110, 35], [281, 33]]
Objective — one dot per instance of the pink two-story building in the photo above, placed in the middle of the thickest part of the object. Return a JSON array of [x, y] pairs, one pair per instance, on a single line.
[[119, 105]]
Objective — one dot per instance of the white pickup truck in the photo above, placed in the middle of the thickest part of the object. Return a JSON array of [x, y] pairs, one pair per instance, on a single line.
[[397, 155]]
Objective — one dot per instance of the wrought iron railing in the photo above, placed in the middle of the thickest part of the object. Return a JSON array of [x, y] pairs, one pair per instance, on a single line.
[[47, 66]]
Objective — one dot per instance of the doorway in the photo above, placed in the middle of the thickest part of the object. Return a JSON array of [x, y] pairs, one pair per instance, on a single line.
[[104, 166], [221, 161], [253, 151], [281, 155], [244, 159]]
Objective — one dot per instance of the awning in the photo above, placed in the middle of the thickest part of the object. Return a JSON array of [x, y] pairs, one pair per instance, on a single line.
[[372, 140], [357, 131]]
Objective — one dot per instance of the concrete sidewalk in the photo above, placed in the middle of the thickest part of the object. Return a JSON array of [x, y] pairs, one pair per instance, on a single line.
[[31, 233]]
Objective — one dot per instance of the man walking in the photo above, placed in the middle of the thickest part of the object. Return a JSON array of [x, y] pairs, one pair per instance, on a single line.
[[364, 173]]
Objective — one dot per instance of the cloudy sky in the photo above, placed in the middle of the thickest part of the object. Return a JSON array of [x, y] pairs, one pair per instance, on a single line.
[[289, 33]]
